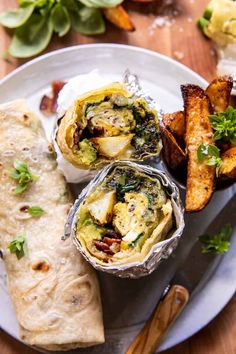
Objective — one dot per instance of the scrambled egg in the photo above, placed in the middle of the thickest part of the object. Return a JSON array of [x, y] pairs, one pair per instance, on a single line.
[[128, 217]]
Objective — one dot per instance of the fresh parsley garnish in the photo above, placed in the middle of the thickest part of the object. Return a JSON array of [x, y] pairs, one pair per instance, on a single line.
[[22, 175], [210, 155], [219, 243], [224, 125], [18, 246], [35, 211]]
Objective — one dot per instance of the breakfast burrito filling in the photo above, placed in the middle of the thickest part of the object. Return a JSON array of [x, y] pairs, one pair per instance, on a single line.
[[124, 217], [108, 124]]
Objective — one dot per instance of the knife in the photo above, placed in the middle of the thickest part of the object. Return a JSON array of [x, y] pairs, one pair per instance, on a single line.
[[196, 268]]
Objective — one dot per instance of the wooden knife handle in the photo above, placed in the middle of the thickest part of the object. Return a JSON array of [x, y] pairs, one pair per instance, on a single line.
[[147, 341]]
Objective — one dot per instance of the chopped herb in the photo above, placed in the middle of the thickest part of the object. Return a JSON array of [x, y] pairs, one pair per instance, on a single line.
[[22, 175], [35, 211], [219, 243], [18, 246], [87, 222], [210, 154], [134, 243], [150, 199], [224, 125]]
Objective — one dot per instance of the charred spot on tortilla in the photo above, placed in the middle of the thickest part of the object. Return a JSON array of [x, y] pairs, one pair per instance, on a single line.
[[41, 266]]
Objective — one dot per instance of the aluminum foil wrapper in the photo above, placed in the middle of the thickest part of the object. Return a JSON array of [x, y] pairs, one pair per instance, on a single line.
[[159, 251], [78, 175]]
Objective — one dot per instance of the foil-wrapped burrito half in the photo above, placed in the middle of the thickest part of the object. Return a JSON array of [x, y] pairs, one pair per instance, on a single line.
[[54, 291], [108, 124], [127, 219]]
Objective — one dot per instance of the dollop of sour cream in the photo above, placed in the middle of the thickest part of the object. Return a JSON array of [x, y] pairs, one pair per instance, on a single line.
[[75, 87], [79, 85]]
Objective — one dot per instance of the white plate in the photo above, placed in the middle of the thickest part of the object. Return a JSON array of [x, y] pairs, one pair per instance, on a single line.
[[162, 76]]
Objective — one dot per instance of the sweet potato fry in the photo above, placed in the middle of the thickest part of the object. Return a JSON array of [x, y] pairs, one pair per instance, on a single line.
[[119, 17], [219, 93], [200, 177], [175, 122], [173, 155], [228, 167]]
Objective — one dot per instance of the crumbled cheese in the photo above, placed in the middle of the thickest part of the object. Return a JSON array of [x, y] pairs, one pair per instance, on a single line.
[[178, 55]]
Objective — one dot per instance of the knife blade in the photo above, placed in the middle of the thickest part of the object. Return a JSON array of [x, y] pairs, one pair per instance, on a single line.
[[195, 270]]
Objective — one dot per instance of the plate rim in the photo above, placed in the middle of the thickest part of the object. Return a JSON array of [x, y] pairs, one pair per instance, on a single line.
[[98, 45]]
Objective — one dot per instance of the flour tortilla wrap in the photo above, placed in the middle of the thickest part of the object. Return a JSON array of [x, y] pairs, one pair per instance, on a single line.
[[54, 291]]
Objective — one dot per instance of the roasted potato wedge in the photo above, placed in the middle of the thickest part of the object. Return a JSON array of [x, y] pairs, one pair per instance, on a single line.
[[173, 155], [175, 122], [119, 17], [200, 177], [228, 167], [219, 93]]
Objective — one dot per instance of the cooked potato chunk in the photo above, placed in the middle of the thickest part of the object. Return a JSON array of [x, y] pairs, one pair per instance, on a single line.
[[228, 167], [172, 152], [112, 146], [102, 208], [175, 122], [200, 177], [219, 93]]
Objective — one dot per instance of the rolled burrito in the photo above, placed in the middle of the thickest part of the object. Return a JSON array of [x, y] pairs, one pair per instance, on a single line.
[[123, 217], [108, 124], [55, 293]]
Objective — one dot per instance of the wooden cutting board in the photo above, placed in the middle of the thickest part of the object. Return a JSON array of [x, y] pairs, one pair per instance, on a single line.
[[180, 39]]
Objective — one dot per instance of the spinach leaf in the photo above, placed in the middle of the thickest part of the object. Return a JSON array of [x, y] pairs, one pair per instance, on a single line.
[[16, 18], [31, 38], [60, 20], [101, 3], [88, 21]]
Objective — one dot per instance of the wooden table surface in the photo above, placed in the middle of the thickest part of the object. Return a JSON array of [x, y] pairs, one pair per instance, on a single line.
[[180, 39]]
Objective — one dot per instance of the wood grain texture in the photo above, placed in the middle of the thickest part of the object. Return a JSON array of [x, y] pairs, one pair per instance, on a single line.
[[182, 41], [167, 310]]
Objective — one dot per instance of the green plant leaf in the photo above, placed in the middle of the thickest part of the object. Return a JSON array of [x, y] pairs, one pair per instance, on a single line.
[[18, 246], [20, 166], [213, 150], [71, 5], [224, 125], [101, 3], [207, 13], [20, 188], [60, 20], [202, 152], [202, 23], [218, 243], [35, 211], [31, 38], [88, 21], [22, 174], [16, 18]]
